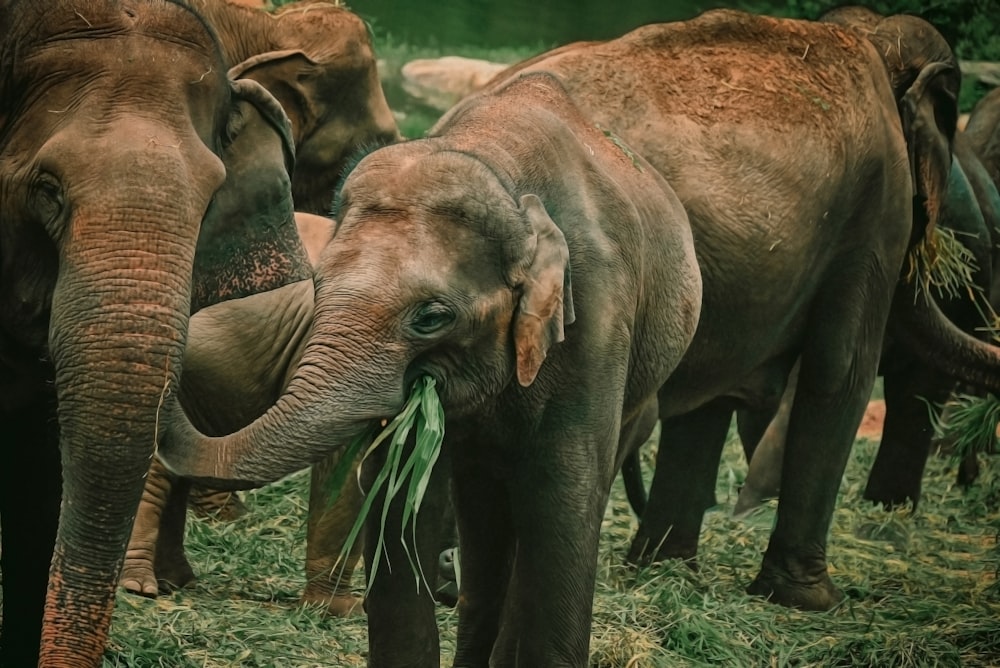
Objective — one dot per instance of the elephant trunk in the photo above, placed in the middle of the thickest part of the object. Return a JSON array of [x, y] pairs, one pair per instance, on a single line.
[[119, 319], [345, 380], [918, 323]]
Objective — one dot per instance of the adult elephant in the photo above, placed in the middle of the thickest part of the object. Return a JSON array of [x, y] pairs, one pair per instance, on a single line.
[[798, 161], [121, 140], [971, 211], [317, 59], [983, 133]]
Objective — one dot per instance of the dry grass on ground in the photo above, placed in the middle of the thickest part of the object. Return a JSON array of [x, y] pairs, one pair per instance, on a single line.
[[922, 590]]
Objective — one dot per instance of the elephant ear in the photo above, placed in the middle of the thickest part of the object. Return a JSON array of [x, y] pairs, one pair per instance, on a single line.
[[929, 113], [248, 241], [290, 76], [546, 303]]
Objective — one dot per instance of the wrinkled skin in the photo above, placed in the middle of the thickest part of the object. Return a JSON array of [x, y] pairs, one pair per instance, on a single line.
[[316, 58], [238, 358], [114, 168], [971, 208], [801, 162], [544, 275]]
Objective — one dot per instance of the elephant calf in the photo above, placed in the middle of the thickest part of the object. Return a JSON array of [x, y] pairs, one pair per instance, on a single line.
[[544, 274]]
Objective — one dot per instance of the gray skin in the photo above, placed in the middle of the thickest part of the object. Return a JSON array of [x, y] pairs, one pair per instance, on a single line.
[[124, 154], [971, 208], [544, 275], [316, 58], [983, 133], [798, 157], [238, 359]]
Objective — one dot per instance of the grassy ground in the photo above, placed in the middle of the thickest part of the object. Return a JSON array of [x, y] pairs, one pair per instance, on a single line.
[[923, 590]]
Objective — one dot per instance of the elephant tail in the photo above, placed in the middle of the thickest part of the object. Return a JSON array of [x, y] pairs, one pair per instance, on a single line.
[[635, 489]]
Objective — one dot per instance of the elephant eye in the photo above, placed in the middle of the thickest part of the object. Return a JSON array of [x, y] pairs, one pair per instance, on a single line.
[[47, 198], [431, 317]]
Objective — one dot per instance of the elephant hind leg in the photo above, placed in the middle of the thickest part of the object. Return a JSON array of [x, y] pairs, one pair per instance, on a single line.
[[216, 504]]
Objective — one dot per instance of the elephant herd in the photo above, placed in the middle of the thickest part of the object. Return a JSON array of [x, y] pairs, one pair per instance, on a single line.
[[220, 264]]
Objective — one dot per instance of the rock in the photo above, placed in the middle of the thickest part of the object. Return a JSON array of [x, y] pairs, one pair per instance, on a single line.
[[441, 82]]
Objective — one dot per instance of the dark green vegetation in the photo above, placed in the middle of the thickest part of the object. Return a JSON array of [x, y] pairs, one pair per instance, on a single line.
[[923, 589]]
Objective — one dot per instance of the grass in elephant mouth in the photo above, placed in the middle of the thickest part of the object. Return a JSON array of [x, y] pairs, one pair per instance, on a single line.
[[403, 472]]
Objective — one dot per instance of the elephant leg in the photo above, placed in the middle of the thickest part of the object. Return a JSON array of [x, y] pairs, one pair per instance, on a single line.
[[155, 550], [216, 504], [402, 629], [486, 551], [897, 473], [29, 460], [173, 570], [328, 576], [683, 487], [836, 375], [547, 613]]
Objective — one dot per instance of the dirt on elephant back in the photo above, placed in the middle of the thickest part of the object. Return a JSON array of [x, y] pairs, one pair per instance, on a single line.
[[871, 423]]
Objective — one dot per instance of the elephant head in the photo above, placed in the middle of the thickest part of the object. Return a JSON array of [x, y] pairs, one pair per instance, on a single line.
[[121, 138], [317, 59], [925, 78], [983, 133]]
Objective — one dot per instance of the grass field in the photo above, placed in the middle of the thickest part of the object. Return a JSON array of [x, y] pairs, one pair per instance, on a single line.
[[923, 589]]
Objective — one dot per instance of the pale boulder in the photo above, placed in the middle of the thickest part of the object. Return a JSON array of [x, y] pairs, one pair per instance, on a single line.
[[441, 82]]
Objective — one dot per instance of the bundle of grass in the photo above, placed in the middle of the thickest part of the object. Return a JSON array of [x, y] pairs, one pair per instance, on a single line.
[[940, 262], [403, 472], [968, 422]]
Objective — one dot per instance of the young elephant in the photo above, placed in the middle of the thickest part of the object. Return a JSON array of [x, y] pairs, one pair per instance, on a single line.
[[544, 275]]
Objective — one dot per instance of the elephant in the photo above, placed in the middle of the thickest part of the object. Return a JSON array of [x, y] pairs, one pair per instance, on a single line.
[[544, 275], [316, 58], [971, 209], [829, 199], [124, 152], [799, 160], [983, 133], [236, 361]]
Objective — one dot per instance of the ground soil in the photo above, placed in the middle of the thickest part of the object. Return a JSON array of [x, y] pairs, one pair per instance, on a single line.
[[871, 423]]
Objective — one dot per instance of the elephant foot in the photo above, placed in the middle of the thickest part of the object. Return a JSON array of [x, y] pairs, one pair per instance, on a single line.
[[138, 577], [335, 605], [750, 499], [672, 545], [968, 470], [796, 587], [173, 575], [217, 505]]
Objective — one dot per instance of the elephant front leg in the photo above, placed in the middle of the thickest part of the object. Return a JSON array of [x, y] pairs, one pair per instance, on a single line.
[[486, 554], [328, 570], [402, 629], [547, 613], [898, 471], [155, 550], [683, 487]]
